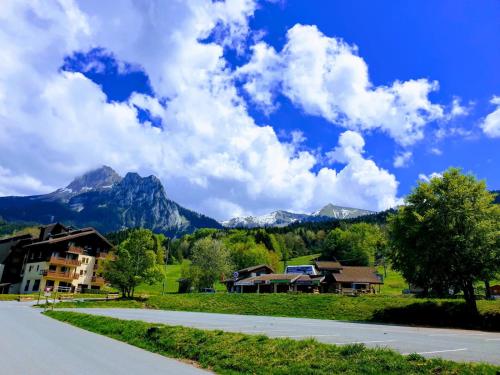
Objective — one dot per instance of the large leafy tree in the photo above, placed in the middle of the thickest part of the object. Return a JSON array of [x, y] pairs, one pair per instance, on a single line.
[[135, 262], [353, 245], [446, 236], [210, 261]]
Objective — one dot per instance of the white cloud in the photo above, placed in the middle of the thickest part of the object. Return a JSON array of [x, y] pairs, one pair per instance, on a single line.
[[326, 77], [457, 109], [402, 159], [210, 154], [491, 123], [436, 151], [427, 177]]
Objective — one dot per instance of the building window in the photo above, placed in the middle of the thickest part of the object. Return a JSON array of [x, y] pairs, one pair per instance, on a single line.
[[37, 267], [81, 272], [27, 286], [36, 285], [31, 267]]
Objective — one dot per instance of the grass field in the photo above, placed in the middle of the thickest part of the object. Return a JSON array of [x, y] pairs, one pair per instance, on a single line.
[[388, 309], [173, 272], [235, 353]]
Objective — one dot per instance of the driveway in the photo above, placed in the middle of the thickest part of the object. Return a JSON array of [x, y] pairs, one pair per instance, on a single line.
[[454, 344], [31, 343]]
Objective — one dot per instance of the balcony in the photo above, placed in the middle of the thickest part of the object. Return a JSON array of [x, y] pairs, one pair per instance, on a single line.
[[97, 280], [102, 255], [64, 261], [63, 276], [75, 250]]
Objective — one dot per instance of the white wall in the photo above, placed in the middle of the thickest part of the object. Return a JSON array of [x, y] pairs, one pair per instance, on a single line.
[[32, 272]]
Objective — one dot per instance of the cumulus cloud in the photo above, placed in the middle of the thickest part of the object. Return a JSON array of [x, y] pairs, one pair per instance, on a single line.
[[402, 159], [326, 77], [491, 123], [210, 153]]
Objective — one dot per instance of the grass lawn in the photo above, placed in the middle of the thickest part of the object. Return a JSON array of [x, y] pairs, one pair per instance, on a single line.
[[173, 272], [388, 309], [235, 353], [394, 283]]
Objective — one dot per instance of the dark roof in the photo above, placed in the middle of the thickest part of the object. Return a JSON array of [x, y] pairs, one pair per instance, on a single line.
[[357, 275], [14, 238], [5, 251], [268, 278], [327, 265], [71, 235], [46, 231], [254, 268]]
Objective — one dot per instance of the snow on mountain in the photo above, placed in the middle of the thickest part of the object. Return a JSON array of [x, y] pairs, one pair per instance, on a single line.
[[274, 219], [283, 218], [338, 212]]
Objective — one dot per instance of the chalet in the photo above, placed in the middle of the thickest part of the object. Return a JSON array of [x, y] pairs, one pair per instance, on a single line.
[[60, 258], [261, 269], [356, 279], [326, 277]]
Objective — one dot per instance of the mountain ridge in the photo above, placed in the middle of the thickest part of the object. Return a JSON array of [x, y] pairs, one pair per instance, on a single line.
[[282, 218], [103, 199]]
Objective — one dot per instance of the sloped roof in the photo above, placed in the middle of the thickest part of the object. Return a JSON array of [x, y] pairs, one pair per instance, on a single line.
[[357, 275], [254, 268], [71, 235], [268, 278], [327, 265], [6, 250]]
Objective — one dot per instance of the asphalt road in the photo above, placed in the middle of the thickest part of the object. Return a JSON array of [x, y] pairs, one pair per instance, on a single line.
[[454, 344], [31, 343]]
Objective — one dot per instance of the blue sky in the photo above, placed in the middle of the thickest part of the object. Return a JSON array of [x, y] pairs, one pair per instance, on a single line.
[[243, 107]]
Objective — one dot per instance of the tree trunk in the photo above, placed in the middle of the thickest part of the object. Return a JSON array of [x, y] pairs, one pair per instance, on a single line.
[[470, 298], [487, 289]]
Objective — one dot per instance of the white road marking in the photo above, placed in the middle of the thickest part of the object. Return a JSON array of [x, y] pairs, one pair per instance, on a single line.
[[493, 339], [439, 351]]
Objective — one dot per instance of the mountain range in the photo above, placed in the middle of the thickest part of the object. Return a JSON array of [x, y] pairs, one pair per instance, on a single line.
[[283, 218], [105, 200], [109, 202]]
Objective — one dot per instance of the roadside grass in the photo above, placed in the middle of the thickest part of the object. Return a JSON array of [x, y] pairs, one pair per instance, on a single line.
[[34, 296], [373, 308], [235, 353]]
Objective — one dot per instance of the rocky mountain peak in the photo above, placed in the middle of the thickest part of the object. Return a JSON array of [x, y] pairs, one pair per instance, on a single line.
[[100, 178]]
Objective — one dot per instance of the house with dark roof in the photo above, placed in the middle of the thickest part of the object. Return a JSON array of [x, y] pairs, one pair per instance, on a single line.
[[323, 276], [60, 258], [261, 269]]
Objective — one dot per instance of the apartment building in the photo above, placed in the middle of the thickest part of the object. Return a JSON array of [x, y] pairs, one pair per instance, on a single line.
[[61, 259]]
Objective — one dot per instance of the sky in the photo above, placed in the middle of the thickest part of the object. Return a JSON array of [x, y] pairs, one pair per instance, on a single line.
[[243, 107]]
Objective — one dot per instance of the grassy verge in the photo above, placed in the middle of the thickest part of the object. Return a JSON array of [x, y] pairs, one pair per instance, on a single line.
[[234, 353], [402, 310]]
